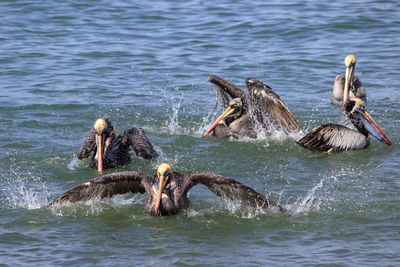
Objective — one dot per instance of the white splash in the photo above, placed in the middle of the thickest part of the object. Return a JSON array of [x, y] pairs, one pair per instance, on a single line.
[[22, 195], [174, 123], [310, 201], [96, 206], [74, 163]]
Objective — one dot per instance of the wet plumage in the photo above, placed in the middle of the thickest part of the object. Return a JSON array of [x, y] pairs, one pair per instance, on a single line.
[[259, 106], [115, 149], [174, 187]]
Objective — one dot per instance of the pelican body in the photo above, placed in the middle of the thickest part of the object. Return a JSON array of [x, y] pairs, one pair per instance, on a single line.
[[112, 150], [166, 191], [337, 137], [245, 110], [346, 82]]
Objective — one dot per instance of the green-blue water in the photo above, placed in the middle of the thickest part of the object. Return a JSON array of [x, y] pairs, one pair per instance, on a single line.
[[66, 63]]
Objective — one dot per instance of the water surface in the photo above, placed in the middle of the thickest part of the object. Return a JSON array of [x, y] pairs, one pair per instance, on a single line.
[[64, 64]]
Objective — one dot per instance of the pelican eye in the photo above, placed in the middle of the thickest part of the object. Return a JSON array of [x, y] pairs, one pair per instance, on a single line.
[[362, 109], [235, 105], [165, 174], [358, 108]]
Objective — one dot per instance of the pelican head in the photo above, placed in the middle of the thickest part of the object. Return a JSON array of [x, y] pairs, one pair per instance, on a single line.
[[164, 173], [100, 126], [234, 109], [350, 62], [356, 108]]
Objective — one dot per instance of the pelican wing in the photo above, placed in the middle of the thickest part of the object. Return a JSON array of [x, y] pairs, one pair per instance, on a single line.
[[87, 145], [107, 186], [333, 137], [227, 188], [338, 87], [232, 90], [337, 92], [360, 89], [139, 142], [264, 100]]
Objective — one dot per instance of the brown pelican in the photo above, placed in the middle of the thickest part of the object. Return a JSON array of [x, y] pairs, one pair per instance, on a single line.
[[113, 150], [245, 109], [337, 137], [166, 191], [348, 81]]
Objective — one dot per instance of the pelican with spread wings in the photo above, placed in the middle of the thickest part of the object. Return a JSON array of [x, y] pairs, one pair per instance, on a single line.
[[166, 191], [111, 150], [245, 110]]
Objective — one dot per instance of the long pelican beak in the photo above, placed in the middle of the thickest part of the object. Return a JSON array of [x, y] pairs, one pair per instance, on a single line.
[[347, 80], [161, 184], [371, 126], [225, 114], [99, 152]]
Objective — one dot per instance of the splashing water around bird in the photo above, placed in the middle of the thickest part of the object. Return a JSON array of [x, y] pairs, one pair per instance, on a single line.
[[24, 192]]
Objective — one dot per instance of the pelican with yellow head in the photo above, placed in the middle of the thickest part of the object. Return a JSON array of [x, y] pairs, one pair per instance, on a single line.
[[166, 190], [100, 126], [346, 83], [245, 111], [112, 150], [164, 173]]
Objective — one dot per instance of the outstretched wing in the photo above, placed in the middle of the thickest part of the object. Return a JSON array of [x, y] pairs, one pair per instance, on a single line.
[[227, 188], [87, 145], [333, 136], [227, 87], [139, 142], [264, 100], [107, 186]]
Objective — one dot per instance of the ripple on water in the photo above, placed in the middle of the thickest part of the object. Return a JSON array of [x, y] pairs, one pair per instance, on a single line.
[[146, 64]]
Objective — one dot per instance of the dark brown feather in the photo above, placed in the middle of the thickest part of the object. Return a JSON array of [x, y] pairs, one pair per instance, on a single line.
[[174, 194], [106, 186], [230, 88], [225, 187], [87, 145], [116, 151], [140, 144], [264, 100]]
